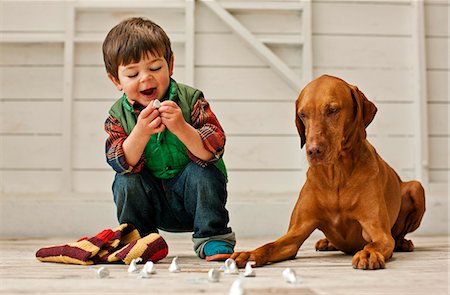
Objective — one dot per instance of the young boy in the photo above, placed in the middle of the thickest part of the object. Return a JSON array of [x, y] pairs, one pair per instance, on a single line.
[[168, 158]]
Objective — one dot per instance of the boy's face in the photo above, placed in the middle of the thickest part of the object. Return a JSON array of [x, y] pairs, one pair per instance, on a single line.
[[145, 80]]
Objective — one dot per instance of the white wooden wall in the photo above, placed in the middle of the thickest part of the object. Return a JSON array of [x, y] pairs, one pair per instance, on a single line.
[[51, 128]]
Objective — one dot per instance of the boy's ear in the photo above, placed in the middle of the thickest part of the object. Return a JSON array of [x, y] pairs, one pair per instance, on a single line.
[[117, 83], [171, 66]]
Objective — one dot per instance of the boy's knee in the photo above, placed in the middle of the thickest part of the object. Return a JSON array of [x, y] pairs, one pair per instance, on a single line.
[[127, 180], [204, 176], [126, 185]]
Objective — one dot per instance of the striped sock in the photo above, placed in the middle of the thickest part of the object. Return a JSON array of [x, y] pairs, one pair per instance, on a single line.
[[151, 247], [87, 251]]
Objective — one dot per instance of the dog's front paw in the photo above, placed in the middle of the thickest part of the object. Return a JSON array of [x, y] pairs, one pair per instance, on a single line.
[[242, 258], [366, 259]]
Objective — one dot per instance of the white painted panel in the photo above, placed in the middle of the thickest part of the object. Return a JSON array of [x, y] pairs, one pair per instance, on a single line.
[[31, 82], [278, 22], [171, 20], [362, 52], [439, 150], [26, 182], [259, 153], [290, 55], [437, 53], [361, 18], [275, 118], [93, 83], [436, 19], [93, 181], [32, 16], [281, 22], [376, 84], [252, 183], [439, 176], [13, 54], [243, 84], [30, 117], [437, 89], [224, 50], [89, 135], [392, 119], [31, 152], [398, 152], [228, 50], [438, 121]]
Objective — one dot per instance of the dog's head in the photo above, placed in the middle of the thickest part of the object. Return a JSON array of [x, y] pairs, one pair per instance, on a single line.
[[331, 115]]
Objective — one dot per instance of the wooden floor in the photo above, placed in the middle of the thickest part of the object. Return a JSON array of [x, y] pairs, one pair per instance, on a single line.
[[424, 271]]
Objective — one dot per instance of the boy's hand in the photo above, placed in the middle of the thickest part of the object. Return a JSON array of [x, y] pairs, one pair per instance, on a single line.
[[149, 121], [172, 117]]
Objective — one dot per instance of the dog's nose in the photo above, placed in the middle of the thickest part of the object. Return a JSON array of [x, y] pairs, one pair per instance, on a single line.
[[315, 151]]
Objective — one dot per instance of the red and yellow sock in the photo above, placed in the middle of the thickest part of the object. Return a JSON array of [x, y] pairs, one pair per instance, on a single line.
[[102, 248]]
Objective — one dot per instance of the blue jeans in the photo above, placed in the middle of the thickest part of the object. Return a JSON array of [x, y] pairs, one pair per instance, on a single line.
[[192, 201]]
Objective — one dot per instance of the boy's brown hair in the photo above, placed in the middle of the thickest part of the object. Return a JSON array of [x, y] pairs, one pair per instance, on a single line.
[[128, 41]]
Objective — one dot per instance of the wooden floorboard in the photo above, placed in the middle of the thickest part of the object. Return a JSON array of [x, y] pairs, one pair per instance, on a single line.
[[424, 271]]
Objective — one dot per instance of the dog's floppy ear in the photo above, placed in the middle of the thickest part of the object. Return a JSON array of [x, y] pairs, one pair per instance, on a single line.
[[365, 109], [300, 125]]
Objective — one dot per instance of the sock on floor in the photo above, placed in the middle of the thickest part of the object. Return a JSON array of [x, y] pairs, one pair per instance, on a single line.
[[217, 250], [80, 252], [151, 247], [98, 249]]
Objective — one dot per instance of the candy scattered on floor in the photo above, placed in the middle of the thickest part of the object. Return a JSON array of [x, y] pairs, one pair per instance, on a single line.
[[249, 271], [101, 273], [174, 265], [289, 276], [213, 275], [133, 265], [230, 267], [236, 288]]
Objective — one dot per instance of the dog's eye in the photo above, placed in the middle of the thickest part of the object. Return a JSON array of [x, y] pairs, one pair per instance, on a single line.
[[332, 111], [302, 115]]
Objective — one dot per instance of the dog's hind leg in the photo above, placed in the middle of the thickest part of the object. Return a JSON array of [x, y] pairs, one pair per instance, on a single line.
[[325, 245], [410, 215]]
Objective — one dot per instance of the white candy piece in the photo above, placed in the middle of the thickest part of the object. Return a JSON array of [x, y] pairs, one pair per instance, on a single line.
[[213, 275], [149, 267], [289, 276], [133, 265], [101, 272], [236, 288], [230, 267], [249, 272], [147, 270], [156, 104], [174, 266]]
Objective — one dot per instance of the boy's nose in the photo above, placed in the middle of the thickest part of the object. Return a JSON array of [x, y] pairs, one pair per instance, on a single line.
[[147, 75]]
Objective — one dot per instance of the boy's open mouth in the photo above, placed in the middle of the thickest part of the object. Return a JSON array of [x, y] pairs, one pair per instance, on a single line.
[[149, 92]]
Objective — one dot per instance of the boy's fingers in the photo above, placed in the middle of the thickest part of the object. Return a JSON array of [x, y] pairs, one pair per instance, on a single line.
[[147, 111], [158, 126], [168, 103]]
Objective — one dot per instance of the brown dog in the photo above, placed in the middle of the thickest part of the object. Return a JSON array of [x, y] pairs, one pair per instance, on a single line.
[[350, 194]]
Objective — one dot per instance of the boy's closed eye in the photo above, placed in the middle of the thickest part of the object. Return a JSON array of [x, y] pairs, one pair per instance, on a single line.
[[132, 75]]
